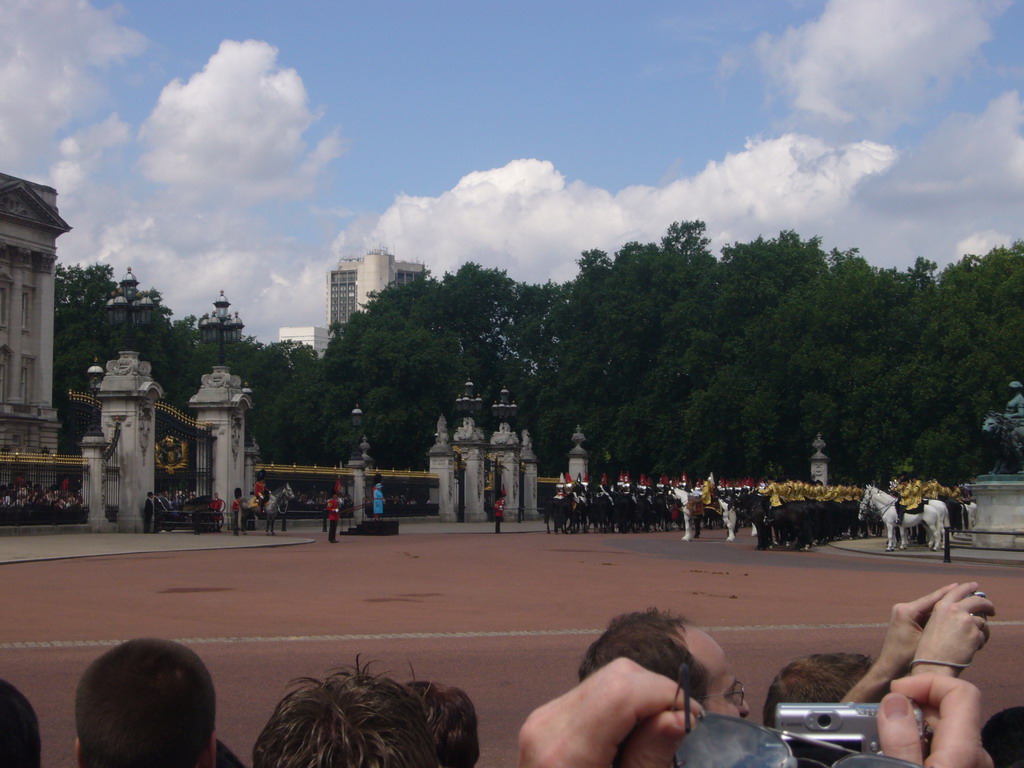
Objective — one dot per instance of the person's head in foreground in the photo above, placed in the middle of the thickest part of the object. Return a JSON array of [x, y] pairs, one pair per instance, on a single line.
[[146, 703], [351, 718]]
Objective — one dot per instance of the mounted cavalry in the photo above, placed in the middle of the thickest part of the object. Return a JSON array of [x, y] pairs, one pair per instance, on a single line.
[[699, 505], [933, 515], [271, 504]]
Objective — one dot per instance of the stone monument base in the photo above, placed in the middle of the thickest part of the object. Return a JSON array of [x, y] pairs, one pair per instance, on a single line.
[[1000, 501]]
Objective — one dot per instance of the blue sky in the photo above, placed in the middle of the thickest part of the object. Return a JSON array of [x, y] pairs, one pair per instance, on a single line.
[[248, 145]]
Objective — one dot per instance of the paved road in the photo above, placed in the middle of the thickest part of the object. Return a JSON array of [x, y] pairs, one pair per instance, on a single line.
[[505, 617]]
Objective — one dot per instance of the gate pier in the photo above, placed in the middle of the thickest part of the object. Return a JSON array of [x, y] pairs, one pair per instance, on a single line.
[[128, 394], [222, 403]]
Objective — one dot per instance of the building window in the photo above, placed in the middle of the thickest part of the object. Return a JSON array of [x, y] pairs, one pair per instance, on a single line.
[[3, 383], [3, 306], [23, 385], [26, 310]]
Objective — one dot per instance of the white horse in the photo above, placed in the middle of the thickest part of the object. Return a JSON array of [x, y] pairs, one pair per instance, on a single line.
[[277, 503], [728, 515], [884, 505]]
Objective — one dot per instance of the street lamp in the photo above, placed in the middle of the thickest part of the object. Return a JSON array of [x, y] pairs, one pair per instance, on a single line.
[[220, 327], [130, 307], [466, 404], [503, 410], [95, 374], [357, 422]]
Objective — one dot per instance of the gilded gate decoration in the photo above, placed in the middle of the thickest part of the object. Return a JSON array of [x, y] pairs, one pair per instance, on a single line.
[[183, 453], [171, 454]]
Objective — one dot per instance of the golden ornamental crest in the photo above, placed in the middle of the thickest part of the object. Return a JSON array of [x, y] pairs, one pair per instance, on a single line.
[[171, 455]]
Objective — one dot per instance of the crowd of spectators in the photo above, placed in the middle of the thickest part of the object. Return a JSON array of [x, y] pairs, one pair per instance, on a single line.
[[28, 495], [652, 687]]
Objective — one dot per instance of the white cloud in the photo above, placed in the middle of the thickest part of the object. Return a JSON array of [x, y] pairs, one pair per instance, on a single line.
[[236, 128], [525, 218], [83, 152], [968, 160], [958, 191], [877, 61], [191, 255], [980, 243], [51, 54]]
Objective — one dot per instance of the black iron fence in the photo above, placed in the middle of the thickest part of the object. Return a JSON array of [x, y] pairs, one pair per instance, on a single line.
[[406, 493], [41, 489], [949, 544]]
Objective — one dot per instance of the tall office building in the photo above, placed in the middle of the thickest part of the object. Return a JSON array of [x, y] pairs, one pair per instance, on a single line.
[[351, 283], [29, 228]]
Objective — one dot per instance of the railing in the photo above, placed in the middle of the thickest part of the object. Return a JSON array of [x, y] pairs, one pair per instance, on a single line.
[[41, 489], [113, 492], [43, 514], [407, 493], [949, 545]]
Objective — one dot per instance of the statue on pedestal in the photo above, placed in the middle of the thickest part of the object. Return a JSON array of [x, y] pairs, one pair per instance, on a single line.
[[1005, 434]]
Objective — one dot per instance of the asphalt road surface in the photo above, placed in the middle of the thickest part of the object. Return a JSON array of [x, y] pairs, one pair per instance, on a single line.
[[506, 618]]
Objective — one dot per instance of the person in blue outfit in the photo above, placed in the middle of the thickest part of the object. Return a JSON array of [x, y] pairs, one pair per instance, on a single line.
[[378, 497]]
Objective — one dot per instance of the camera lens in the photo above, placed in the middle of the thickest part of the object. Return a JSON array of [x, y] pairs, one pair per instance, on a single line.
[[824, 721]]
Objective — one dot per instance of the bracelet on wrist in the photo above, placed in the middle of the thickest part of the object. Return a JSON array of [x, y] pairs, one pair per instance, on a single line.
[[938, 663]]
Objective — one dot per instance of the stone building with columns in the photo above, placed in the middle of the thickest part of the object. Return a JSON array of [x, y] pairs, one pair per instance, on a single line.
[[29, 227]]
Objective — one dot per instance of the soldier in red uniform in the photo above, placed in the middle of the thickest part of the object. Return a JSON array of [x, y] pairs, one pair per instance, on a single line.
[[499, 511], [333, 515], [259, 490], [237, 523]]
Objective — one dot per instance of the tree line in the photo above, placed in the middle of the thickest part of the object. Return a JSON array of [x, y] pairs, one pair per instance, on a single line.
[[669, 358]]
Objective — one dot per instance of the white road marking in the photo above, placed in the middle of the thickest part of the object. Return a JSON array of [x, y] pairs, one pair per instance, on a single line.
[[36, 644]]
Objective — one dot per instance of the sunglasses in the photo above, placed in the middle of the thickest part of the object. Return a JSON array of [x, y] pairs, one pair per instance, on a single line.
[[720, 741]]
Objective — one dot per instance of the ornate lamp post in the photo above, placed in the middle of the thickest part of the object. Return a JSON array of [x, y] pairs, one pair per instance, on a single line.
[[95, 374], [130, 307], [361, 448], [466, 404], [220, 327], [504, 410]]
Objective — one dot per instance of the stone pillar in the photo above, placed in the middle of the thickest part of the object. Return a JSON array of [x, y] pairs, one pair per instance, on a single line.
[[1000, 501], [470, 440], [94, 492], [579, 458], [442, 464], [475, 482], [505, 449], [529, 462], [359, 499], [128, 393], [510, 479], [819, 461], [252, 458], [221, 402]]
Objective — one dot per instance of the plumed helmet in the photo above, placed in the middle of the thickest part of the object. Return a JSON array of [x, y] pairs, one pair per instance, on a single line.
[[261, 475]]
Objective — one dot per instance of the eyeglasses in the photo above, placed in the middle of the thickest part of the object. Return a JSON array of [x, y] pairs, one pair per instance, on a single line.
[[738, 694], [720, 741]]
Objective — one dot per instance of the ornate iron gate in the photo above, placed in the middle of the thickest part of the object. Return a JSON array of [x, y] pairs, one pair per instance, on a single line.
[[183, 454]]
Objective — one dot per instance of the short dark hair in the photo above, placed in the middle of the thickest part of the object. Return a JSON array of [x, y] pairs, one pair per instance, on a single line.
[[1003, 737], [145, 703], [451, 718], [822, 677], [654, 639], [19, 729], [351, 718]]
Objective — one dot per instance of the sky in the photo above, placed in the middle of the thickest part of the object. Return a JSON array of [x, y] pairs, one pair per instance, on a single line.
[[248, 145]]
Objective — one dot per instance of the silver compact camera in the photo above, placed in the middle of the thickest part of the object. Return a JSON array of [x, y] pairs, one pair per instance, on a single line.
[[826, 732]]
